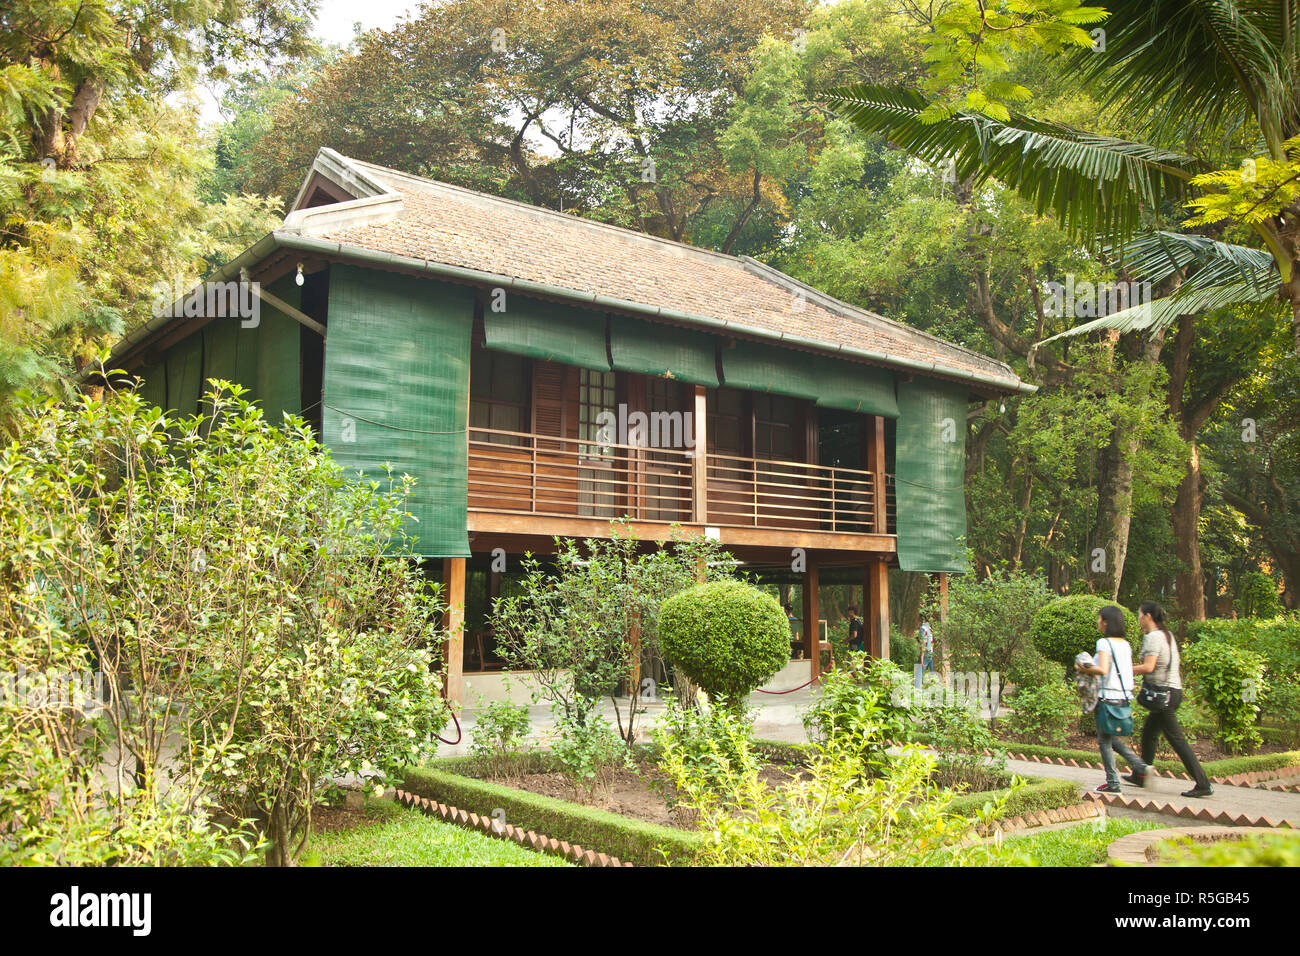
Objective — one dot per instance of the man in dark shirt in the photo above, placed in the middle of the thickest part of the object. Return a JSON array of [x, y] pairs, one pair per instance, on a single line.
[[857, 631]]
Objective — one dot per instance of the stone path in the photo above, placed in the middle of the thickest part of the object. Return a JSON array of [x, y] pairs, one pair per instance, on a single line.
[[1253, 802]]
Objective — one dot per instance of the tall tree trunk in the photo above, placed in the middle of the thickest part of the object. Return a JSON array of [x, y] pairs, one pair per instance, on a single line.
[[1189, 584]]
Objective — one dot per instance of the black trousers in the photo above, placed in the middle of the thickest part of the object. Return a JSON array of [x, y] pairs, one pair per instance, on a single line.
[[1166, 722]]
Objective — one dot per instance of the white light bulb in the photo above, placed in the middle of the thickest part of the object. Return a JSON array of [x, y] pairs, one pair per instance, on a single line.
[[298, 278]]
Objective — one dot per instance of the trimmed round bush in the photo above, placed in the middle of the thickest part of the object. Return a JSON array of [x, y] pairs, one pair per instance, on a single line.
[[1068, 625], [726, 636]]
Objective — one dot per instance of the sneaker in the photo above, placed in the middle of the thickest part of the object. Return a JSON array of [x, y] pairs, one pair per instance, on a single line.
[[1137, 779], [1198, 792], [1109, 788]]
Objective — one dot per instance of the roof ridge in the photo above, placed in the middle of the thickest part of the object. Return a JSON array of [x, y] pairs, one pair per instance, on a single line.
[[594, 224]]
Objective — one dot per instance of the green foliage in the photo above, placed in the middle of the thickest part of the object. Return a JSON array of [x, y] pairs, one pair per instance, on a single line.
[[1027, 795], [708, 740], [867, 701], [904, 651], [587, 750], [1257, 596], [644, 844], [390, 835], [499, 730], [989, 620], [831, 813], [243, 551], [1045, 713], [1235, 765], [579, 626], [1249, 849], [969, 755], [1068, 625], [1232, 681], [726, 636]]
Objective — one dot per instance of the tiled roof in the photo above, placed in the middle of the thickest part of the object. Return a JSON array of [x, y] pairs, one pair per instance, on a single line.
[[445, 224]]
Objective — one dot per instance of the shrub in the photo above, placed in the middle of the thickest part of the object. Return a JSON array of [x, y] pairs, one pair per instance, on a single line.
[[868, 703], [499, 729], [711, 740], [905, 651], [726, 636], [240, 594], [988, 623], [587, 750], [1278, 640], [1044, 714], [1258, 597], [1068, 625], [831, 814], [1249, 849], [961, 737], [1231, 680], [1032, 669]]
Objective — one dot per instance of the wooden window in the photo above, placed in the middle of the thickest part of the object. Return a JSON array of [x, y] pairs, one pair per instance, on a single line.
[[778, 428], [498, 394], [595, 395]]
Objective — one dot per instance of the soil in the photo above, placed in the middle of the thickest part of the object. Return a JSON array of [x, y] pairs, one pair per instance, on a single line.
[[332, 819], [638, 794]]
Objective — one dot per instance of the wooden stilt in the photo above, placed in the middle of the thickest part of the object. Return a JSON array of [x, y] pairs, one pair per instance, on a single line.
[[878, 606], [811, 632], [453, 647]]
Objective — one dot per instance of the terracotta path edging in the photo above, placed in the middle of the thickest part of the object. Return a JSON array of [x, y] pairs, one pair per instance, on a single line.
[[1085, 810], [505, 831], [1205, 814]]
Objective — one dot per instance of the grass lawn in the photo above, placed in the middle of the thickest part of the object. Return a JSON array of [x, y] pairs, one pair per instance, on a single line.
[[389, 835], [1081, 845]]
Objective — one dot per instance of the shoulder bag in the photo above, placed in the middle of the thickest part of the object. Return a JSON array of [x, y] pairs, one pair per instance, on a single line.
[[1113, 718], [1155, 697]]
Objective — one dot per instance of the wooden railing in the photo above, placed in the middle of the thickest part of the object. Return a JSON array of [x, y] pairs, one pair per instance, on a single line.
[[522, 473]]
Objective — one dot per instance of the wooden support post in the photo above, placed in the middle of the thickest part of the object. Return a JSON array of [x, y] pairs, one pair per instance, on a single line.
[[876, 465], [943, 616], [453, 648], [878, 606], [699, 463], [811, 633]]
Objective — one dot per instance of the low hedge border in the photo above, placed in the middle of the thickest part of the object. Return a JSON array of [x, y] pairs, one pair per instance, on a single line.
[[494, 828], [631, 841], [1037, 795], [1204, 814]]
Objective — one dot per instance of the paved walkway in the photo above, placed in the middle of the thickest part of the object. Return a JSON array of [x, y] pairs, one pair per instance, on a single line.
[[1235, 800]]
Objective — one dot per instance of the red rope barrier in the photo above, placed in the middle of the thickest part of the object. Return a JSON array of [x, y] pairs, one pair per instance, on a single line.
[[777, 693], [459, 733]]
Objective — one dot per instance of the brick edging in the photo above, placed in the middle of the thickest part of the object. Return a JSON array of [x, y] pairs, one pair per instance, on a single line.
[[1204, 814], [1085, 810], [493, 828]]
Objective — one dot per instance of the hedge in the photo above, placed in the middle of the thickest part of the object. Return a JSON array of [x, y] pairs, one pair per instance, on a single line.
[[1068, 625], [631, 841], [1215, 768], [1039, 793]]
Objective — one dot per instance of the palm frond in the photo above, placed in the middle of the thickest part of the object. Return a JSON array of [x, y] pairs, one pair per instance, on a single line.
[[1195, 69], [1203, 262], [1095, 185]]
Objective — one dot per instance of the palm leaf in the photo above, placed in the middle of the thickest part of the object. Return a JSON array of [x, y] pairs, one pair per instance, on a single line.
[[1093, 184], [1203, 262], [1194, 69]]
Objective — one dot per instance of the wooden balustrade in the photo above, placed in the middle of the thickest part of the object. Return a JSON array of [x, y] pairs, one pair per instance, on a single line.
[[522, 473]]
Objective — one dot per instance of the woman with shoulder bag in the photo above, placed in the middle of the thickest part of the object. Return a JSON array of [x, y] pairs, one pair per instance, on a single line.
[[1114, 665], [1162, 692]]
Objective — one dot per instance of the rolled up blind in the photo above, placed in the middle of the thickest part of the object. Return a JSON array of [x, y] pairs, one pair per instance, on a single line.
[[547, 331], [397, 391], [831, 382], [930, 465], [667, 351]]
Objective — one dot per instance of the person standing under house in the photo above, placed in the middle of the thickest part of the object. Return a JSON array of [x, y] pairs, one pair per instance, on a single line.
[[927, 647], [1162, 692], [857, 630], [1114, 665]]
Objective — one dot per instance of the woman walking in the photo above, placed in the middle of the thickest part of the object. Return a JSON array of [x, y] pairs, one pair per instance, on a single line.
[[1162, 692], [1114, 665]]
